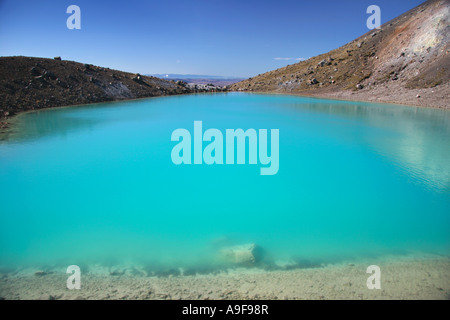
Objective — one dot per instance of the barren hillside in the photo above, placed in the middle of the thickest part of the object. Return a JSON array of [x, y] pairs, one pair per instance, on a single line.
[[406, 61], [35, 83]]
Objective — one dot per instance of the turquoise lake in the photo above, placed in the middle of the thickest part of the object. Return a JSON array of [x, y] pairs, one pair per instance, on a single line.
[[97, 184]]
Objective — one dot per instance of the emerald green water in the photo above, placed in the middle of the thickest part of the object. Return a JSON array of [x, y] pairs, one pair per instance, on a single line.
[[96, 183]]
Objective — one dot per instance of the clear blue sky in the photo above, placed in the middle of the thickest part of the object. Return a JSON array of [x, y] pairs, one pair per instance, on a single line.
[[228, 37]]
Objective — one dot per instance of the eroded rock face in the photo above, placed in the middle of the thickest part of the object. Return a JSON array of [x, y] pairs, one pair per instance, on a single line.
[[242, 255]]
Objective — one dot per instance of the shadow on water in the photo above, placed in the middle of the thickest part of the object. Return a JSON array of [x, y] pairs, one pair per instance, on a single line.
[[63, 121], [47, 123]]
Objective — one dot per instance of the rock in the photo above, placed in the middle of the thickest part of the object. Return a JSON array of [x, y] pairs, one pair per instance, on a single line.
[[35, 71], [359, 86], [49, 75], [57, 58], [285, 264], [313, 81], [88, 67], [244, 255], [418, 96]]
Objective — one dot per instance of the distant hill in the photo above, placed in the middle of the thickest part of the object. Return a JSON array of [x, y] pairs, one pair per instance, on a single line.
[[219, 81], [34, 83], [406, 61], [189, 76]]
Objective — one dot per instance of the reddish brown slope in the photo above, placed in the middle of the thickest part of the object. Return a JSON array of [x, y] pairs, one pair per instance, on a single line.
[[406, 61]]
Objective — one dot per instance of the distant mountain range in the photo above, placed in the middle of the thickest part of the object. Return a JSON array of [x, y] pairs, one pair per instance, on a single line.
[[220, 81], [189, 76], [406, 61]]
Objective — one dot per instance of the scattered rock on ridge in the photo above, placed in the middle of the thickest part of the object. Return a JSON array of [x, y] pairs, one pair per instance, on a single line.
[[28, 83]]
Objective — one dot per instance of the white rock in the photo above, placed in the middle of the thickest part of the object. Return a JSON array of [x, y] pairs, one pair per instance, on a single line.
[[245, 254]]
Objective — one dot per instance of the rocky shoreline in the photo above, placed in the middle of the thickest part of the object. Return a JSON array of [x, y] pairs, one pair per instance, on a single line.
[[29, 84], [425, 98]]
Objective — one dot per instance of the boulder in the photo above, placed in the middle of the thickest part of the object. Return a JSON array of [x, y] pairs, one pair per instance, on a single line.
[[242, 255], [42, 273], [49, 75], [35, 72]]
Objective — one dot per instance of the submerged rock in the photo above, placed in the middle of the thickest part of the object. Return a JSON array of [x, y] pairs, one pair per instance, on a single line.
[[244, 255], [42, 273]]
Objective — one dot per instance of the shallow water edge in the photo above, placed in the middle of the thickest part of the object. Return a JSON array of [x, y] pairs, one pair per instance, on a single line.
[[404, 277]]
